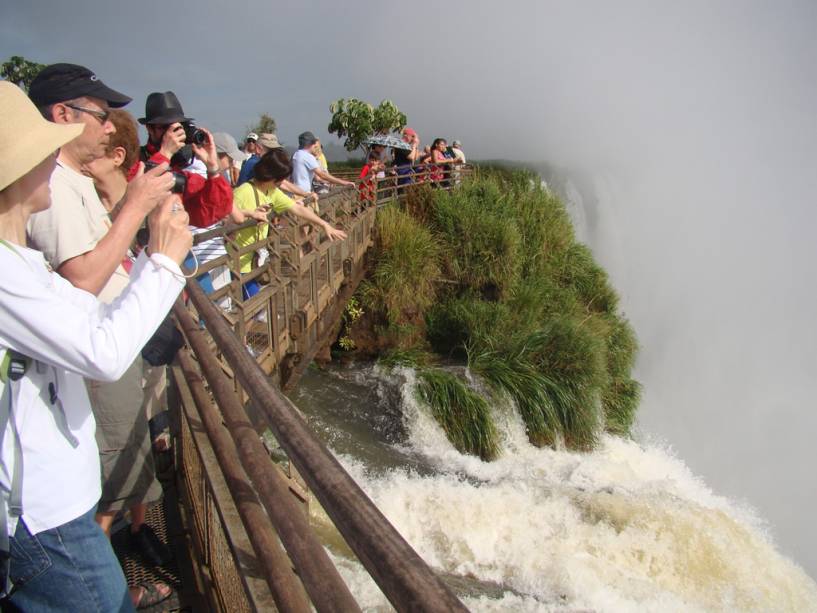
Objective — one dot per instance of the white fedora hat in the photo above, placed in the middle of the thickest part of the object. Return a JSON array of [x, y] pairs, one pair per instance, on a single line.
[[26, 138]]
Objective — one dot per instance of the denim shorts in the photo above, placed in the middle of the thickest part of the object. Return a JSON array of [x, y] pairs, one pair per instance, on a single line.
[[68, 568]]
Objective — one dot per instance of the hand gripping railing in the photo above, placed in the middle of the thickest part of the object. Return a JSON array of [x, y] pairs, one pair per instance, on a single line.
[[405, 579]]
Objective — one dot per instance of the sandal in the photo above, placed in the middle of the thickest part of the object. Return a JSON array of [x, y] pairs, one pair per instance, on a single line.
[[151, 594]]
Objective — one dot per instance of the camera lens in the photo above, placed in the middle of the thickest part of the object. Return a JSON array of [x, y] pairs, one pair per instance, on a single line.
[[199, 137]]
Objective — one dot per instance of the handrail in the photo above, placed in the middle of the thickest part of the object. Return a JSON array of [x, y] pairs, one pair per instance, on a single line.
[[319, 575], [403, 576], [284, 585]]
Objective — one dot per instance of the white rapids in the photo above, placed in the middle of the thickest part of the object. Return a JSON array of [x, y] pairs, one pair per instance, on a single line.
[[625, 528]]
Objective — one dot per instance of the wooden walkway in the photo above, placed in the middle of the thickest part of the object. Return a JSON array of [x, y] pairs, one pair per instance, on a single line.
[[244, 516]]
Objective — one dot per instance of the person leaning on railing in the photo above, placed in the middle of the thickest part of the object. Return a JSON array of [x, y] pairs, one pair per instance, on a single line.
[[51, 335], [372, 170], [263, 143], [441, 161], [404, 159], [262, 191]]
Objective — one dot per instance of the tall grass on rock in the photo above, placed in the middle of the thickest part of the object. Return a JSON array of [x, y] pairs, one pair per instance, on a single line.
[[556, 375], [402, 286], [483, 246], [463, 414], [491, 274]]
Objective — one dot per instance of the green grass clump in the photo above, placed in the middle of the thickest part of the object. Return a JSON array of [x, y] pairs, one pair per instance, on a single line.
[[576, 268], [483, 245], [491, 273], [556, 375], [620, 402], [402, 285], [463, 414]]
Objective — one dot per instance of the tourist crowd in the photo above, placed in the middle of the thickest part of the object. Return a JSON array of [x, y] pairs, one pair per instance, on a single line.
[[96, 233]]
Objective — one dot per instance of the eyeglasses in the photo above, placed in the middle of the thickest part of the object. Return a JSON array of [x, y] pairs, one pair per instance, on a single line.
[[101, 115]]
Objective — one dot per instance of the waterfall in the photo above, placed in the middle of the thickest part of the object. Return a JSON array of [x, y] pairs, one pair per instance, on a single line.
[[625, 528]]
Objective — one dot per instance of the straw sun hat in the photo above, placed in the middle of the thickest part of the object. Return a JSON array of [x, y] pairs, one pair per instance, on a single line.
[[26, 138]]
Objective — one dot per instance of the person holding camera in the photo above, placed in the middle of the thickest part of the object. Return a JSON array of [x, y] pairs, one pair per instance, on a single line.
[[175, 140], [76, 235], [82, 243], [54, 555]]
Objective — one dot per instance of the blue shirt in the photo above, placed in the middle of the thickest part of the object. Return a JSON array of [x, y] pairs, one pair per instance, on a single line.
[[246, 169], [304, 165]]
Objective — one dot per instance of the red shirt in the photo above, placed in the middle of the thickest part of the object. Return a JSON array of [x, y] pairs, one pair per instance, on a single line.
[[205, 200], [367, 188]]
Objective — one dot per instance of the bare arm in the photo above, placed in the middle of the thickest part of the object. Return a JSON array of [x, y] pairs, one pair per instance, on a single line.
[[325, 176], [306, 213], [289, 186], [91, 270], [439, 158]]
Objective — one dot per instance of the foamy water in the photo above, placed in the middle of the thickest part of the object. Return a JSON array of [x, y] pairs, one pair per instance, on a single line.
[[626, 528]]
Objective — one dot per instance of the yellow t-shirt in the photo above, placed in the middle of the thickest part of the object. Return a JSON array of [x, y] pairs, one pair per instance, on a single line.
[[244, 197]]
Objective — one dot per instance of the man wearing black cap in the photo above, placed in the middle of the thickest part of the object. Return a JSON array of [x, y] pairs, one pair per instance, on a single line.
[[305, 166], [75, 234], [205, 200], [80, 242]]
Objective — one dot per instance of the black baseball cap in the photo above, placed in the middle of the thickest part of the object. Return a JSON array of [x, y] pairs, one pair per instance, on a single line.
[[61, 82]]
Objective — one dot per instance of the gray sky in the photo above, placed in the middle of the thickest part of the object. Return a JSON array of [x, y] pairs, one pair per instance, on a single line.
[[703, 112]]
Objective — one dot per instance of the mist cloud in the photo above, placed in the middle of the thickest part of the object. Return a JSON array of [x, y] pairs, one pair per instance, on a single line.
[[696, 122]]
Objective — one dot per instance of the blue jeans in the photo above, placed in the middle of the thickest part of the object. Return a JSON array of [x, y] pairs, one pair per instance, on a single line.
[[69, 568]]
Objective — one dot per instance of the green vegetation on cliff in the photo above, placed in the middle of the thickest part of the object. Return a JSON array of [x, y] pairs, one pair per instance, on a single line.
[[490, 274]]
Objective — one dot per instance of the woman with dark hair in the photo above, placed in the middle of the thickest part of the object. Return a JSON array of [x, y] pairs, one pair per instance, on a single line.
[[262, 191], [439, 159], [372, 170]]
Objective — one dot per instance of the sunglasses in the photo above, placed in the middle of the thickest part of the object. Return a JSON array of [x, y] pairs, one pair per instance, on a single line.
[[101, 115]]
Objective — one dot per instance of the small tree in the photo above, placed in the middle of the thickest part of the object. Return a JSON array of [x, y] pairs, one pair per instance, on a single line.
[[358, 120], [20, 71], [265, 124]]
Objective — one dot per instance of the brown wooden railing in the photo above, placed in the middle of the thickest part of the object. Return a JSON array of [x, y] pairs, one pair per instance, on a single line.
[[247, 514]]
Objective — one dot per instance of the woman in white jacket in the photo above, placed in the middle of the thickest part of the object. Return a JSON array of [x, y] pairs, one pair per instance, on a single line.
[[53, 556]]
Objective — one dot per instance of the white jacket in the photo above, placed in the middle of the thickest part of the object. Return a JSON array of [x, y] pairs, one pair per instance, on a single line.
[[70, 335]]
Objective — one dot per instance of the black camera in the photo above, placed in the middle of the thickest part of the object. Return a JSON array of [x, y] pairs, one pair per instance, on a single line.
[[194, 136], [179, 180]]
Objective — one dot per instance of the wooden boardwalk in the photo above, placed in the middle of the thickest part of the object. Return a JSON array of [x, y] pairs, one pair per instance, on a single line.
[[244, 515]]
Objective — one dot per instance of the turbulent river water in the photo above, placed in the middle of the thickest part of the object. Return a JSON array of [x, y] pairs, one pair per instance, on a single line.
[[625, 528]]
